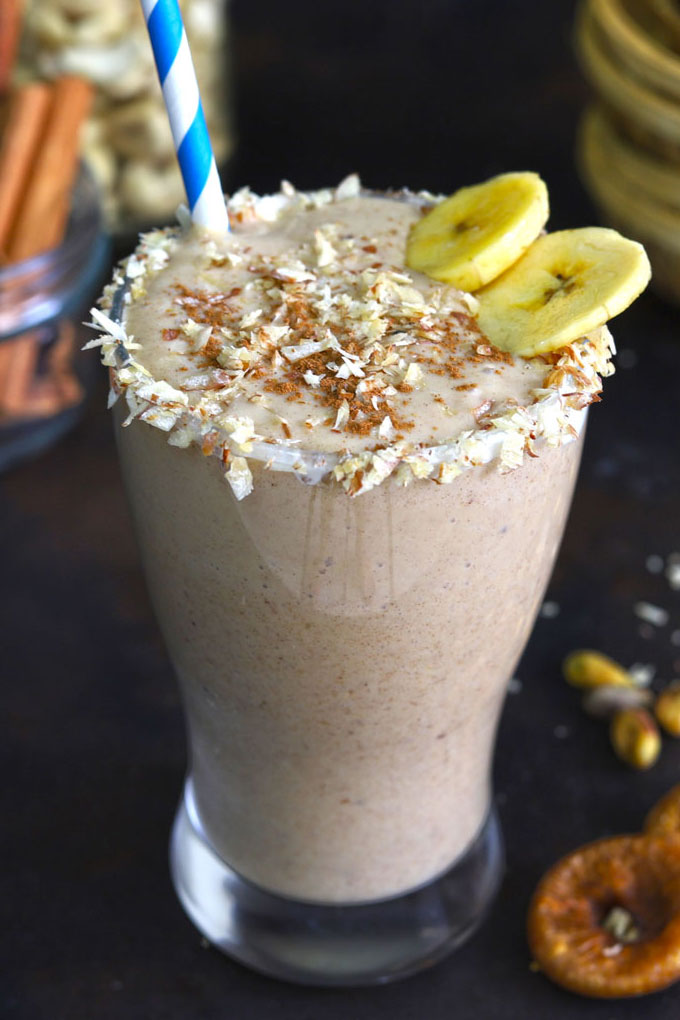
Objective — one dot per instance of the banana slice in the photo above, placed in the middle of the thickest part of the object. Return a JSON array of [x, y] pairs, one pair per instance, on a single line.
[[566, 285], [474, 235]]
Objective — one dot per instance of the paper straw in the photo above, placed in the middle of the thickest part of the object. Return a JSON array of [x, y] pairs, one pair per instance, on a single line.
[[185, 112]]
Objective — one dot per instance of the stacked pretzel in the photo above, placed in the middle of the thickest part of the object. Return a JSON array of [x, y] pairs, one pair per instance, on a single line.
[[629, 146]]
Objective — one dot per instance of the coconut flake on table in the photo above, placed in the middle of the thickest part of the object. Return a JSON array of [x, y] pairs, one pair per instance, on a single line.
[[549, 610], [642, 673], [673, 571], [650, 613]]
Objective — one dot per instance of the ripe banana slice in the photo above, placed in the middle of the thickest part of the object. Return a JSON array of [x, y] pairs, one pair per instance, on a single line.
[[566, 285], [474, 235]]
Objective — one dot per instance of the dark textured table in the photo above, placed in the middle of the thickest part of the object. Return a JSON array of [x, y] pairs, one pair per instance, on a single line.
[[433, 94]]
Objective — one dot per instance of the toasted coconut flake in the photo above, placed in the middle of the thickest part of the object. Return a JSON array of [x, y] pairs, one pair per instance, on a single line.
[[304, 350], [350, 187], [251, 318], [447, 473], [241, 431], [197, 333], [159, 392], [239, 477], [413, 375], [325, 252], [350, 366], [293, 273], [102, 321], [342, 416], [420, 466], [162, 418], [403, 475], [182, 436], [386, 430], [273, 334], [512, 451]]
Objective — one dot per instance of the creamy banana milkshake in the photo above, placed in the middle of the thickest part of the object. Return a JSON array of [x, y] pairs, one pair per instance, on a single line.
[[348, 499]]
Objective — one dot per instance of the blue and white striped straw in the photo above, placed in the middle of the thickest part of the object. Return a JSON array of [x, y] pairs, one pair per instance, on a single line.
[[185, 112]]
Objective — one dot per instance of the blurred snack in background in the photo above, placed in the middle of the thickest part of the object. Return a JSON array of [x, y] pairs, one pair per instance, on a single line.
[[126, 140], [629, 142]]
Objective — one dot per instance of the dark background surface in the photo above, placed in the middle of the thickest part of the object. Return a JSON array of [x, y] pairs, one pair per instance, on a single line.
[[433, 94]]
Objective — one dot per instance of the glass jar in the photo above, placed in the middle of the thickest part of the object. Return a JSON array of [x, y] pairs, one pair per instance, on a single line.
[[127, 140], [43, 301]]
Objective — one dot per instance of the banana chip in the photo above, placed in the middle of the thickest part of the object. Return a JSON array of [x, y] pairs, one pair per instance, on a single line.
[[472, 237], [566, 285]]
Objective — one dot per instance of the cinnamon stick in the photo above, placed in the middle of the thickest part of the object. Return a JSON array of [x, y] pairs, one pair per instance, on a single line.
[[43, 212], [24, 129], [24, 395], [10, 25], [60, 372], [37, 216], [18, 360], [43, 400], [25, 126]]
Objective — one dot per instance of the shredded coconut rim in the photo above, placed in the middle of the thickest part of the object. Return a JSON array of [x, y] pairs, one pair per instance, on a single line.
[[555, 416]]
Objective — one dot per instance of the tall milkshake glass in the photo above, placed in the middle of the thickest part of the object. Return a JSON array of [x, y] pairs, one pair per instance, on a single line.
[[345, 614]]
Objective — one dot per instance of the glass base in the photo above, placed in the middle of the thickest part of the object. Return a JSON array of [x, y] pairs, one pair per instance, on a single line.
[[319, 944]]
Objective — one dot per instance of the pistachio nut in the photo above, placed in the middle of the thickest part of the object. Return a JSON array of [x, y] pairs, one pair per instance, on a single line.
[[635, 737], [667, 709], [587, 669]]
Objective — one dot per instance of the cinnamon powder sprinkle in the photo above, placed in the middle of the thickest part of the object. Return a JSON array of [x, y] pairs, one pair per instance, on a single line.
[[353, 370], [212, 348], [283, 386]]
